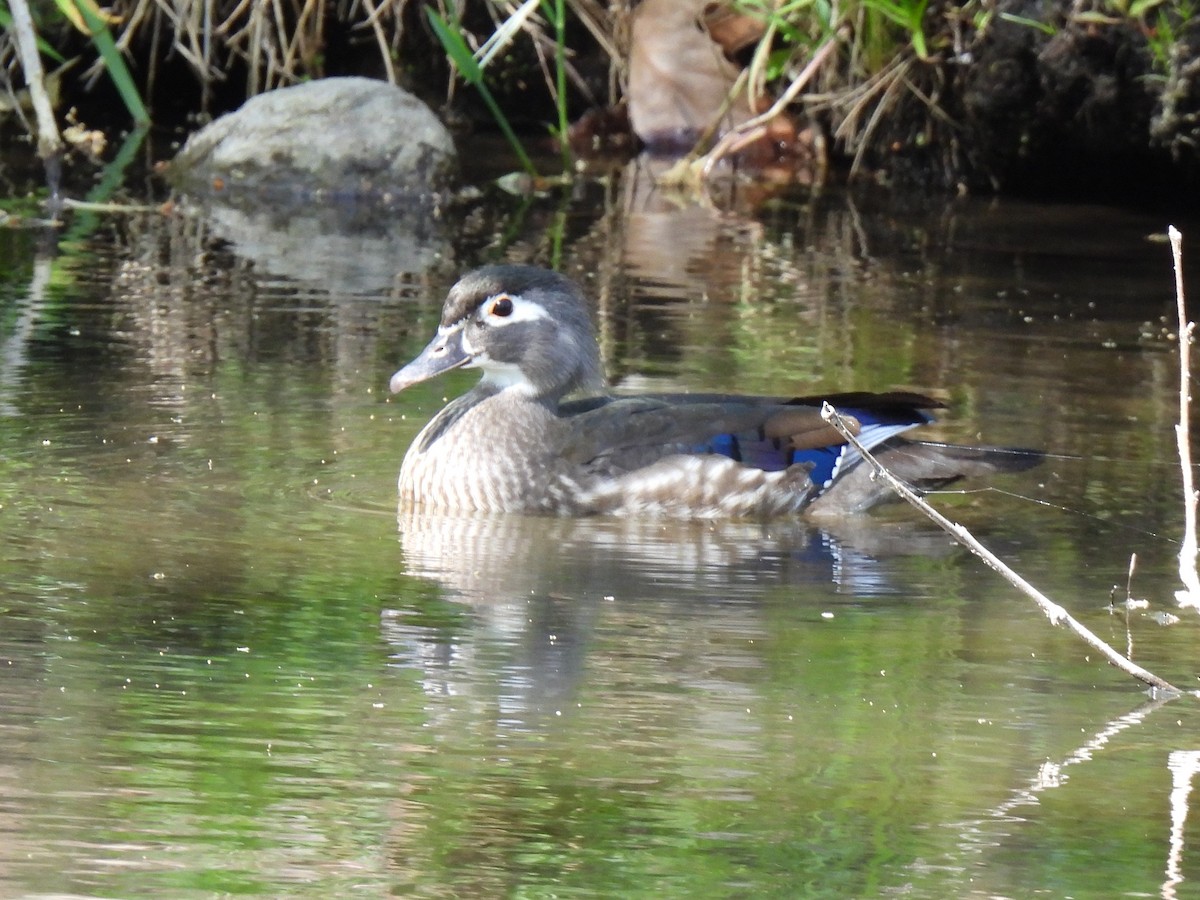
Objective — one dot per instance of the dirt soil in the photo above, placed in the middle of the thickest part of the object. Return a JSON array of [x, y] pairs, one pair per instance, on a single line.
[[1082, 113]]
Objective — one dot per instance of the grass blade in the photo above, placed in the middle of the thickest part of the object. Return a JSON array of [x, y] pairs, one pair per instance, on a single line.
[[464, 60], [114, 62]]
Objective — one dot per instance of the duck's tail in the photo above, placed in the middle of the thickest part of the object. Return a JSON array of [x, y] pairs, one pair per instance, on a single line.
[[924, 466]]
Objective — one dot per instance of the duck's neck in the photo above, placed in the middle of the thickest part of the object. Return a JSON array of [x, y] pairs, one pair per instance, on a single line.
[[518, 390]]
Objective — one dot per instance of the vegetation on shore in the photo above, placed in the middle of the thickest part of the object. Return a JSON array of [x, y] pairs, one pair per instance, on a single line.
[[970, 94]]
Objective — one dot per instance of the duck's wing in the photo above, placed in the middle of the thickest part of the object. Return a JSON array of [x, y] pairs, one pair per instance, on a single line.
[[620, 434]]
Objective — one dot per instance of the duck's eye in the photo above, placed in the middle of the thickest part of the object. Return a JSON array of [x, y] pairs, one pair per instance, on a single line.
[[502, 306]]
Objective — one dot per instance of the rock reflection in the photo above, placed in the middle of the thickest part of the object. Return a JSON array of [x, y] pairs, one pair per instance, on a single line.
[[341, 247]]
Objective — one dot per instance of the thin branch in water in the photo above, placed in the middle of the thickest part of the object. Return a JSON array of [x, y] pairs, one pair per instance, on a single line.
[[1055, 613], [1190, 595]]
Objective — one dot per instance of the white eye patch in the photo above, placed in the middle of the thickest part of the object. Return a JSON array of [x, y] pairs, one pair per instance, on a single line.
[[497, 311], [500, 310]]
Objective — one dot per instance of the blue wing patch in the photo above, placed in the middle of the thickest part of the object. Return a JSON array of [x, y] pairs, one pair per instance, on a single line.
[[772, 455]]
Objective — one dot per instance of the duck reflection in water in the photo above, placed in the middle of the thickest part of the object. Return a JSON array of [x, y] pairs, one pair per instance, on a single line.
[[534, 589]]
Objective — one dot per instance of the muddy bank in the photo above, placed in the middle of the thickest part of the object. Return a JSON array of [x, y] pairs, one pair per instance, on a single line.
[[1086, 111]]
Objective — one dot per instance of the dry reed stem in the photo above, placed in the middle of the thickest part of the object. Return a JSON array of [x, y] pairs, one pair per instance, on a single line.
[[687, 171], [889, 81], [256, 29], [523, 19], [380, 39], [798, 84], [692, 170], [235, 14], [1055, 613], [280, 23], [49, 141], [210, 15], [506, 32], [757, 86], [603, 25], [1190, 595], [133, 21]]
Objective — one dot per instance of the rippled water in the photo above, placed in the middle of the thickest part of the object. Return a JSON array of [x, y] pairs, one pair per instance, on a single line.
[[224, 670]]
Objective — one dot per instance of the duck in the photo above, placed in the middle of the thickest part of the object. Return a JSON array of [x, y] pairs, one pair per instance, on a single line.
[[541, 433]]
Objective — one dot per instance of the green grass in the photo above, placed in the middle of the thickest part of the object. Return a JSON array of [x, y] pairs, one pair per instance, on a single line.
[[472, 73]]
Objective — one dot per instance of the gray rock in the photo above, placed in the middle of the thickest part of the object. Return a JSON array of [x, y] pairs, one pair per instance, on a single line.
[[347, 138]]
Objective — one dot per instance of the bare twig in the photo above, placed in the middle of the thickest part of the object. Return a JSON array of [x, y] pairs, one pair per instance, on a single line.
[[1190, 595], [89, 206], [1055, 613]]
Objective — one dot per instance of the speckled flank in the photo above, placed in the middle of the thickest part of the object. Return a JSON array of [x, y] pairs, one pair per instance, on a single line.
[[702, 487], [525, 473]]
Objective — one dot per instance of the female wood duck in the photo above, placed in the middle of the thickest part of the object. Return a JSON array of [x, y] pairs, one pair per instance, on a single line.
[[514, 444]]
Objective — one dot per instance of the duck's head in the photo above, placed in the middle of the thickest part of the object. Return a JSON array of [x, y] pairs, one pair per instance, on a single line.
[[527, 328]]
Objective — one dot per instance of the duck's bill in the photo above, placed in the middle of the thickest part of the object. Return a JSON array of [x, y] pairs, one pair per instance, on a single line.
[[445, 352]]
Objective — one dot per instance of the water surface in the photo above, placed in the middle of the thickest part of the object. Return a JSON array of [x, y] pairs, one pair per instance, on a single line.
[[225, 670]]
